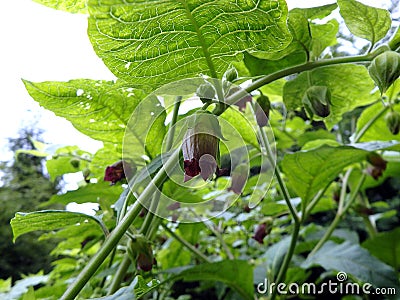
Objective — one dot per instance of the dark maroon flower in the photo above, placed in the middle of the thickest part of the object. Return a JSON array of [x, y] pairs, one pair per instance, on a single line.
[[378, 165], [117, 171], [200, 146], [145, 262], [261, 233]]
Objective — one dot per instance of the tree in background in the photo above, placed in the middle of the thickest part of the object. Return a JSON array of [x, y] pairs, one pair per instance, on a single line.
[[24, 187]]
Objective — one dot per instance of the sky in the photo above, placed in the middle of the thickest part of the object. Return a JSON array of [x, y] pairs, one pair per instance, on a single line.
[[40, 44]]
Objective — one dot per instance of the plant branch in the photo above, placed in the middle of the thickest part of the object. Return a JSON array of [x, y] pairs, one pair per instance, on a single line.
[[298, 69], [339, 215], [185, 243], [119, 275], [113, 239]]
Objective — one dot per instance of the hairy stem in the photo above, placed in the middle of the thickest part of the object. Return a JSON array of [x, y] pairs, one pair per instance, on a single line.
[[115, 236]]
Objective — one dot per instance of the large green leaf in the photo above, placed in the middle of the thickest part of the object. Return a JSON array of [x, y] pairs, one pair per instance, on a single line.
[[310, 171], [352, 259], [309, 39], [99, 109], [350, 87], [72, 6], [48, 220], [365, 21], [238, 274], [386, 247], [150, 43]]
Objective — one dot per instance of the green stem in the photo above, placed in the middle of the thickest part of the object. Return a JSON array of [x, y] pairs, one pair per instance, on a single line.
[[314, 202], [298, 69], [171, 134], [150, 214], [288, 257], [115, 236], [370, 123], [119, 275], [265, 145], [339, 215], [185, 243]]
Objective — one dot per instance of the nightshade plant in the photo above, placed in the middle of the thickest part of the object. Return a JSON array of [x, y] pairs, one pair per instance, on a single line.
[[161, 235]]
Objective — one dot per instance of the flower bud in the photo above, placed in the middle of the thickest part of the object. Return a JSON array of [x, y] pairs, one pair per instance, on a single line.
[[262, 110], [230, 75], [200, 146], [378, 165], [205, 92], [385, 69], [141, 252], [393, 121], [262, 230], [74, 162], [316, 101]]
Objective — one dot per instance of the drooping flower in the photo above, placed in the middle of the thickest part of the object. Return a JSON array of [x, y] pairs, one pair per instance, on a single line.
[[117, 171], [378, 165], [200, 147]]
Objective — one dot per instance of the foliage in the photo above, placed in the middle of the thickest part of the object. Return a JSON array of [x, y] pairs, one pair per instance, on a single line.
[[155, 236], [24, 188]]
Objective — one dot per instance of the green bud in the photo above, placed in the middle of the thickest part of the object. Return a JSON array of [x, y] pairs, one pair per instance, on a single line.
[[262, 110], [385, 69], [75, 162], [206, 92], [393, 121], [230, 75], [316, 101]]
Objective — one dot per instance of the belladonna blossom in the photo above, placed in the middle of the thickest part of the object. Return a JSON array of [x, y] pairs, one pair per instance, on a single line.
[[378, 165], [117, 171], [200, 147]]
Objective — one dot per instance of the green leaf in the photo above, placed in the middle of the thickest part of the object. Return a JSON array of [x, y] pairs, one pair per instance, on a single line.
[[47, 220], [151, 43], [99, 109], [310, 171], [238, 274], [137, 289], [354, 90], [72, 6], [318, 12], [352, 259], [394, 43], [63, 161], [92, 192], [365, 21], [378, 130], [22, 286], [242, 125], [386, 247], [323, 35]]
